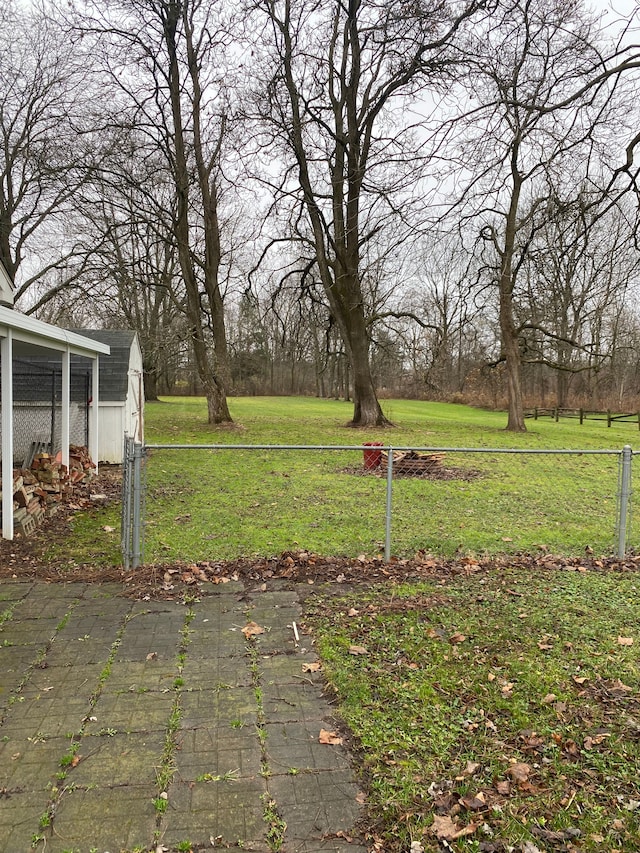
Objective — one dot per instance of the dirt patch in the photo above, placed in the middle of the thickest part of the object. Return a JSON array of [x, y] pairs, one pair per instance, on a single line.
[[435, 473]]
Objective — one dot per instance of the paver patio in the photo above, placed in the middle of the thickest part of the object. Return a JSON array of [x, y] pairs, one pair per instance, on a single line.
[[144, 725]]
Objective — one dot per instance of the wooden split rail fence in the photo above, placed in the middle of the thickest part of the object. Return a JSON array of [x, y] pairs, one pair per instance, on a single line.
[[582, 415]]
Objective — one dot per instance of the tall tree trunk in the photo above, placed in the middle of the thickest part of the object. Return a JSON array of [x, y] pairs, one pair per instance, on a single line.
[[366, 408], [213, 387], [150, 380], [337, 245], [209, 187], [509, 333], [511, 352]]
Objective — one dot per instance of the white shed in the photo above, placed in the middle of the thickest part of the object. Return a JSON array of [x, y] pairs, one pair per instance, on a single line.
[[121, 406]]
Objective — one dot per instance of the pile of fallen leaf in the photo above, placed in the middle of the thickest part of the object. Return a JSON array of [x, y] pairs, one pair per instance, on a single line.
[[305, 568], [22, 559]]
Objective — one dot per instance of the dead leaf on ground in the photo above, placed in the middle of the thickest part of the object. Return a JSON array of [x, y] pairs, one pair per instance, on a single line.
[[625, 641], [589, 742], [152, 656], [457, 638], [358, 650], [353, 612], [571, 748], [549, 699], [341, 834], [519, 773], [503, 787], [472, 768], [617, 685], [580, 679], [312, 667], [444, 827], [252, 629], [330, 738], [474, 803]]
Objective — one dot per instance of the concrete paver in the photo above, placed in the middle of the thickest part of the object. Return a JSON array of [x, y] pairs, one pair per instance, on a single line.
[[141, 726]]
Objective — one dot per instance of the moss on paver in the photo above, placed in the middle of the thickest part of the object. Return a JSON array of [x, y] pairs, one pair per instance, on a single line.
[[126, 725]]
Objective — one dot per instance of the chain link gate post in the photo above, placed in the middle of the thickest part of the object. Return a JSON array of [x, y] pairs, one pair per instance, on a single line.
[[137, 490], [624, 499], [132, 504], [387, 536], [125, 519]]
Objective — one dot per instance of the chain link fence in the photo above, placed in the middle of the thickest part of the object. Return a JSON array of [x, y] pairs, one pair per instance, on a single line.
[[224, 501]]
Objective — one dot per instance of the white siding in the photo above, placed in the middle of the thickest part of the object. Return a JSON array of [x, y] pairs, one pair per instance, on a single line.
[[111, 432], [135, 394], [6, 290]]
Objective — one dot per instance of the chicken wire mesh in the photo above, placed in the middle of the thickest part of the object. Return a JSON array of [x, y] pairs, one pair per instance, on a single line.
[[37, 410]]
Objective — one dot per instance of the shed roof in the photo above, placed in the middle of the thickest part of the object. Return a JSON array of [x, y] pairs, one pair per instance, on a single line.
[[31, 332], [114, 368]]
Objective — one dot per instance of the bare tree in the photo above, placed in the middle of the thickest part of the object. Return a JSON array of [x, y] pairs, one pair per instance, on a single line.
[[442, 329], [160, 61], [46, 147], [336, 73], [544, 98], [578, 270]]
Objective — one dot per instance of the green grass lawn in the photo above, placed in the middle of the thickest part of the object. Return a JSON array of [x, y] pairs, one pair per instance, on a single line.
[[494, 708], [220, 504], [501, 705]]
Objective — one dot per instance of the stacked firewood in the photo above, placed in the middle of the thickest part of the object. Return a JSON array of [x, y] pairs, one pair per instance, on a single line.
[[41, 488], [412, 463]]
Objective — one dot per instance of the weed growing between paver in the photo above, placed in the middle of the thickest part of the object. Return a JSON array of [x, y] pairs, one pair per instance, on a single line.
[[71, 758], [6, 616], [275, 826], [493, 709], [7, 613], [167, 769]]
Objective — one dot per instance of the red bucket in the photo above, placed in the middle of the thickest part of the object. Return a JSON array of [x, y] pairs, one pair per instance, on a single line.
[[372, 458]]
